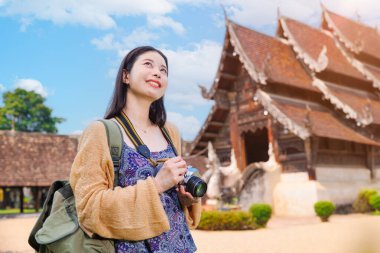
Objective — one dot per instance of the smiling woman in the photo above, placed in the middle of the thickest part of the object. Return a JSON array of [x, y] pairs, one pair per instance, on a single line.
[[147, 211]]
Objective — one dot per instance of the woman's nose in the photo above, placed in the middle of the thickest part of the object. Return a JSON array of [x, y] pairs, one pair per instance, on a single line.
[[157, 73]]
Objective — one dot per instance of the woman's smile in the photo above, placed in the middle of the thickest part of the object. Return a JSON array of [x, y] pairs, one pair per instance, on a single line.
[[154, 83]]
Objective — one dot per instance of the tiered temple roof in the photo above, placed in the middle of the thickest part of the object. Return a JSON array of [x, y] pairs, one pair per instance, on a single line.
[[321, 53], [309, 61], [317, 48], [306, 119], [357, 37], [265, 58], [359, 40]]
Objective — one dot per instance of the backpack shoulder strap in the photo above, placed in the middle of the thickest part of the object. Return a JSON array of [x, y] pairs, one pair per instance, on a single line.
[[115, 144]]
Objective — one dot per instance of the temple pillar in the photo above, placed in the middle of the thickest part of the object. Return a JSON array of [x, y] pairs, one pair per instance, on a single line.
[[37, 197], [370, 160], [236, 139], [21, 199], [311, 148]]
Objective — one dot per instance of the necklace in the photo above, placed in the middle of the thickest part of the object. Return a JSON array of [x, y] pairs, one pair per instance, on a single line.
[[137, 126], [142, 129]]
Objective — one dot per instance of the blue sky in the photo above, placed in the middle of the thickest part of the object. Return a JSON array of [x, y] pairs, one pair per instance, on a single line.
[[69, 51]]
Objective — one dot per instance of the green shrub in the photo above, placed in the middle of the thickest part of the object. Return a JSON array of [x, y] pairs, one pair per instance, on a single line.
[[226, 220], [324, 209], [361, 203], [374, 201], [261, 213]]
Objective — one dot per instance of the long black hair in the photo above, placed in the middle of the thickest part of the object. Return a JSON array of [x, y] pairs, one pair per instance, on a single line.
[[157, 113]]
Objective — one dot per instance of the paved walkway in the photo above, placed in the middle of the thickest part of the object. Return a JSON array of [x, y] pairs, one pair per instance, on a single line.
[[343, 234]]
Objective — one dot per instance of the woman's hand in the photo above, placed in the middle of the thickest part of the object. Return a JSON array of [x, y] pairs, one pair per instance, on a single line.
[[171, 173], [185, 197]]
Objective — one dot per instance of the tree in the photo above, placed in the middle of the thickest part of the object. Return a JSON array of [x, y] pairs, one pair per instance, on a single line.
[[25, 111]]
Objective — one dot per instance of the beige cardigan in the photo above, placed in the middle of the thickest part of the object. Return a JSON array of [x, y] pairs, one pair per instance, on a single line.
[[130, 213]]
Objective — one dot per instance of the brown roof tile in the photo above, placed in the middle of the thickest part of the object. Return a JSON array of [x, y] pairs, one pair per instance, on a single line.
[[34, 159], [312, 41], [282, 65], [357, 102], [358, 34], [321, 123], [374, 71]]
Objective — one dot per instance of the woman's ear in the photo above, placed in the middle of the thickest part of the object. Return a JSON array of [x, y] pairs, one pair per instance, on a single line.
[[125, 77]]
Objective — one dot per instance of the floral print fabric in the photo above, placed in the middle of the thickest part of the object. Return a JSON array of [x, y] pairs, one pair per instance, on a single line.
[[178, 239]]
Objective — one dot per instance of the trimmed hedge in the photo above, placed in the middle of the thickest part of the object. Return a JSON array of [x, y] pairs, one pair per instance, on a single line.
[[361, 203], [226, 220], [261, 213], [324, 209], [374, 201]]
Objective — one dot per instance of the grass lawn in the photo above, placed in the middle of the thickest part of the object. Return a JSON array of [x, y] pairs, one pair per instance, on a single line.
[[17, 211]]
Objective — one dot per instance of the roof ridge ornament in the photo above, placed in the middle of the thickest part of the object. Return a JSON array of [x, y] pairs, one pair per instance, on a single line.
[[257, 76], [278, 12], [205, 93], [366, 115], [358, 17], [316, 65], [359, 66], [350, 112], [307, 119], [281, 117], [351, 46], [267, 67], [322, 58], [225, 14]]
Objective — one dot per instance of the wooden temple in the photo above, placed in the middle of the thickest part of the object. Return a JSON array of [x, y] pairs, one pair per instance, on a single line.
[[313, 94]]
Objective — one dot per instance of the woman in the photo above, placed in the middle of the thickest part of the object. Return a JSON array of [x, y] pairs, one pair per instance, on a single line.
[[149, 212]]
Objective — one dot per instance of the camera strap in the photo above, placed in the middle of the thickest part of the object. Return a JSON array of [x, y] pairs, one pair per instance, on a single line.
[[141, 148]]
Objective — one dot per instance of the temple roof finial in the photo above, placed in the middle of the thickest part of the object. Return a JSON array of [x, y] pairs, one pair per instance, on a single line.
[[278, 12], [322, 6], [225, 14], [358, 17]]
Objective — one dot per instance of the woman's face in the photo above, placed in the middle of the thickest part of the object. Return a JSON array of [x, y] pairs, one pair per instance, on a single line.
[[148, 77]]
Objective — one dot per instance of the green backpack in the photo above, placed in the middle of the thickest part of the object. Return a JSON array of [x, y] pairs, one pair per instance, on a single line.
[[57, 229]]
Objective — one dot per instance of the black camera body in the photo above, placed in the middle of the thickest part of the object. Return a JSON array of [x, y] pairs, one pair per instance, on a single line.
[[193, 182]]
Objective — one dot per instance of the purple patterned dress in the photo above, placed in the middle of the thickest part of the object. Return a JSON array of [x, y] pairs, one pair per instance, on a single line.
[[178, 239]]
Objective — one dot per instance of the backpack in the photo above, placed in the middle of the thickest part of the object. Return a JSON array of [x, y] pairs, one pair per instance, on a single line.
[[57, 229]]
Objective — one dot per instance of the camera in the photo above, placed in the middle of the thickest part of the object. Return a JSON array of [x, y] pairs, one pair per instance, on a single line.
[[193, 183]]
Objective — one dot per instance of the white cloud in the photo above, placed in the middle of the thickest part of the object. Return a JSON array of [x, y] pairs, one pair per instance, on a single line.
[[189, 68], [188, 125], [187, 100], [2, 87], [139, 36], [101, 14], [31, 85], [105, 43], [194, 2], [96, 13], [368, 11], [76, 132], [263, 13], [162, 21], [25, 23]]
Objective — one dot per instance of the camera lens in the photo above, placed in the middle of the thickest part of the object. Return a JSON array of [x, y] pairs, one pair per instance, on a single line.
[[196, 186]]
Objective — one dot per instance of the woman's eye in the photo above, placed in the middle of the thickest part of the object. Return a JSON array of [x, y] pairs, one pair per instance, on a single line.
[[164, 71], [148, 63]]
